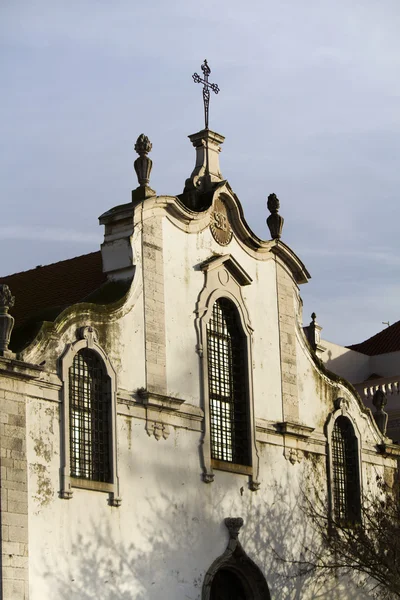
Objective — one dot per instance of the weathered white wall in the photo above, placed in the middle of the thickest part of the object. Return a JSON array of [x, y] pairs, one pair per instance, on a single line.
[[160, 542], [183, 253], [169, 529]]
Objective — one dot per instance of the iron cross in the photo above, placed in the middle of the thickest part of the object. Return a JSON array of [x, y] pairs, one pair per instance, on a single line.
[[206, 88]]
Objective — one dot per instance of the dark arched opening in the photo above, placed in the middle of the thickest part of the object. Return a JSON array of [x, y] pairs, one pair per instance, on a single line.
[[234, 576], [227, 585]]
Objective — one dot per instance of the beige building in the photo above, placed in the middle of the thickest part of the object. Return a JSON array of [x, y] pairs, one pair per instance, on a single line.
[[163, 413], [373, 367]]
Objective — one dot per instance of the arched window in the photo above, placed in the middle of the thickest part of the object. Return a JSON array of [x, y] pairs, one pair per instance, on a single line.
[[90, 417], [227, 385], [345, 472]]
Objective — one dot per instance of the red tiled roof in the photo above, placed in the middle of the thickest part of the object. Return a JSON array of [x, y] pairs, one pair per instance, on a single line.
[[58, 285], [387, 340]]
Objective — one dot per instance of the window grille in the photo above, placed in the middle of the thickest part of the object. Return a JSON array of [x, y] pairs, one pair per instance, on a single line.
[[346, 479], [227, 377], [90, 427]]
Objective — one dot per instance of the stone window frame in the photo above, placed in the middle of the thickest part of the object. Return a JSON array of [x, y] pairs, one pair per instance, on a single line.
[[236, 560], [224, 278], [342, 406], [87, 339]]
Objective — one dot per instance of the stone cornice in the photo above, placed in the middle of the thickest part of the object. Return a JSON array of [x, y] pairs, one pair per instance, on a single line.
[[293, 262], [389, 449], [18, 369], [159, 401], [295, 429]]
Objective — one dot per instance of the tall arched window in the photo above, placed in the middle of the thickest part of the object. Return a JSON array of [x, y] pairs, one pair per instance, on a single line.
[[227, 385], [345, 472], [90, 417]]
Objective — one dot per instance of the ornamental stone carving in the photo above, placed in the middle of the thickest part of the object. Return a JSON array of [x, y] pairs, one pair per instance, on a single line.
[[219, 225], [342, 404], [235, 559], [88, 333], [6, 321], [293, 455], [274, 221], [159, 430], [143, 166], [381, 417], [233, 525]]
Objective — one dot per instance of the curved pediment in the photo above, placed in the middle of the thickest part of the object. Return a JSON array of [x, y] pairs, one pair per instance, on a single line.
[[225, 218]]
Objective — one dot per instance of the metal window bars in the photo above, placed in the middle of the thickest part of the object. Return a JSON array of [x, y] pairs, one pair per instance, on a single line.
[[346, 479], [90, 414], [227, 383]]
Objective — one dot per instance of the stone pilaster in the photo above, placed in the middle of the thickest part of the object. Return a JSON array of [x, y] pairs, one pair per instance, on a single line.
[[14, 497], [154, 306], [287, 337]]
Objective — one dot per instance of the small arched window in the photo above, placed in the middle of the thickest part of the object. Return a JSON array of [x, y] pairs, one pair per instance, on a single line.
[[90, 417], [227, 385], [345, 472]]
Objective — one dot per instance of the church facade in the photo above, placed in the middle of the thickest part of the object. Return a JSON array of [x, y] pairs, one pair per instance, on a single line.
[[163, 413]]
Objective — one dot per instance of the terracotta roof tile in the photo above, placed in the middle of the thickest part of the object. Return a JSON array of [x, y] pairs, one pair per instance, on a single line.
[[54, 286], [385, 341]]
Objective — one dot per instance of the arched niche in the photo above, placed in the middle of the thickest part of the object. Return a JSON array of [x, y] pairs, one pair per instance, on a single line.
[[233, 575]]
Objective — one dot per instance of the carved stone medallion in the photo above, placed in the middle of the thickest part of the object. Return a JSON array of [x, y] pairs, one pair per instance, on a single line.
[[220, 226]]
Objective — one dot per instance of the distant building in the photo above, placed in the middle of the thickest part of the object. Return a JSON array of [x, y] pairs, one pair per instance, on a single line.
[[372, 366], [163, 412]]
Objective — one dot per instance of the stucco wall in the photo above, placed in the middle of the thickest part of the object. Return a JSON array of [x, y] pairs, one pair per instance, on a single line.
[[169, 528]]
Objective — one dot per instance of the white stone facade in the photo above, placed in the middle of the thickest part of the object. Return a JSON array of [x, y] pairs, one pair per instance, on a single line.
[[161, 538]]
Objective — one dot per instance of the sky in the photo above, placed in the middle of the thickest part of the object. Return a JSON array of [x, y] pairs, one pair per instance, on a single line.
[[309, 106]]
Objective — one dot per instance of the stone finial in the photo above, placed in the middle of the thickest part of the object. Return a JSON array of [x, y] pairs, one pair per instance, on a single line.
[[7, 300], [274, 221], [143, 166], [233, 525], [379, 400], [6, 321], [313, 332], [143, 145], [207, 171]]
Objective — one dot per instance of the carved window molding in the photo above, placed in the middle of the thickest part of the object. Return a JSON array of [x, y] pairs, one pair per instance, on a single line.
[[344, 464], [224, 278], [251, 581], [87, 340]]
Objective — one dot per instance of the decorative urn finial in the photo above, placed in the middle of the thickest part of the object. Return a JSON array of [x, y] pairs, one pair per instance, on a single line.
[[274, 221], [143, 166], [313, 332], [379, 400], [6, 321]]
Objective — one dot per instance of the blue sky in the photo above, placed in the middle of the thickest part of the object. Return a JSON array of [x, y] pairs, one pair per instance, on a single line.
[[309, 106]]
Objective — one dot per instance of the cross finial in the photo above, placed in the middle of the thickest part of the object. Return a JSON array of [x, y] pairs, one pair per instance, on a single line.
[[206, 88]]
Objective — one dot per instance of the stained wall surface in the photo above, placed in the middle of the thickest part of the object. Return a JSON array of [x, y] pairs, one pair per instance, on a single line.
[[169, 528]]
